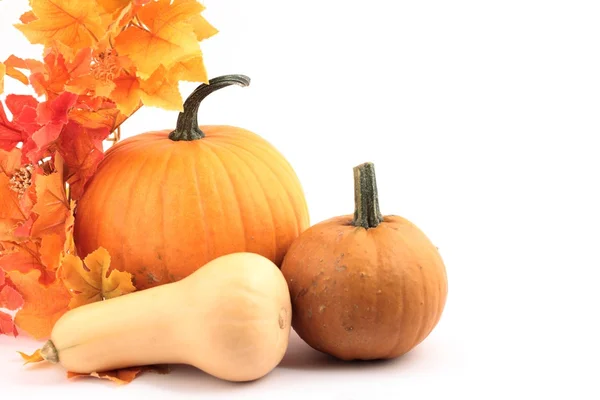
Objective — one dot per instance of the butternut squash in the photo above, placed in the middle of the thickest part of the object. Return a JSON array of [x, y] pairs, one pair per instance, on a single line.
[[230, 318]]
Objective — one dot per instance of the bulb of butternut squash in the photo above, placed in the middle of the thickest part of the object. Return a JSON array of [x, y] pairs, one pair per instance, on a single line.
[[231, 318]]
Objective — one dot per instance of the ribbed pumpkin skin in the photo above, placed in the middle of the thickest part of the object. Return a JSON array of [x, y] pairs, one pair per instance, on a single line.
[[164, 208], [365, 293]]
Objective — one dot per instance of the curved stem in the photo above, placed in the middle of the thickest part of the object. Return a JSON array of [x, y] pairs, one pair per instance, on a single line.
[[187, 122], [366, 200]]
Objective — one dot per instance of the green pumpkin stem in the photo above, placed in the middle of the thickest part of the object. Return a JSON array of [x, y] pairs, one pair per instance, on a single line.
[[187, 121], [366, 200]]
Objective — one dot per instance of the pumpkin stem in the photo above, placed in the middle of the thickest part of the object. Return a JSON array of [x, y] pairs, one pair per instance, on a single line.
[[366, 200], [187, 121]]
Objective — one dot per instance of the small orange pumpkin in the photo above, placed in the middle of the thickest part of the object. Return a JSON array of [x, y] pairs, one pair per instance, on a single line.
[[365, 286], [165, 203]]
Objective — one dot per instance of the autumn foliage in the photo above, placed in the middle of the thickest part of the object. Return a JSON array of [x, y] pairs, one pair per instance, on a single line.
[[102, 61]]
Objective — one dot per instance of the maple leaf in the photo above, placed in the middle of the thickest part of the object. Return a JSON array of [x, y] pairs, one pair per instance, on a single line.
[[160, 91], [51, 249], [35, 357], [24, 257], [76, 24], [52, 116], [69, 243], [11, 300], [90, 280], [124, 375], [202, 28], [7, 325], [10, 133], [126, 93], [24, 111], [14, 64], [106, 118], [44, 304], [165, 36], [2, 73], [191, 70], [52, 205], [52, 78], [82, 150], [15, 202], [112, 6]]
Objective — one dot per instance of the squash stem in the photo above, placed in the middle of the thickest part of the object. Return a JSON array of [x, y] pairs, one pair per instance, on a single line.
[[49, 352], [187, 121], [366, 200]]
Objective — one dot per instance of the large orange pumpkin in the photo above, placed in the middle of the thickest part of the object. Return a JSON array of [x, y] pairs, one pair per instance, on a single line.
[[365, 286], [165, 203]]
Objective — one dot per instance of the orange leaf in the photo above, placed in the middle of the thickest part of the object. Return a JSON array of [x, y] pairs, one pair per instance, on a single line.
[[96, 119], [52, 205], [21, 256], [14, 64], [123, 376], [33, 358], [111, 6], [27, 17], [90, 281], [202, 28], [44, 304], [75, 24], [191, 70], [160, 91], [168, 36], [51, 251], [120, 376], [126, 93], [69, 244], [14, 209]]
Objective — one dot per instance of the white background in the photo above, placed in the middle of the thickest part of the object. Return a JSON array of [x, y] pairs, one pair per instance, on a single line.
[[481, 119]]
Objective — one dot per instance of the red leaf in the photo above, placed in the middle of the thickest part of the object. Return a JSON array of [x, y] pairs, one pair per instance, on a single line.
[[56, 111], [82, 150], [52, 115], [10, 133], [10, 298], [7, 326], [23, 109]]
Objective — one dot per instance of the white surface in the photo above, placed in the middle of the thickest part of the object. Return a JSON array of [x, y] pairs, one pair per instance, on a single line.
[[480, 118]]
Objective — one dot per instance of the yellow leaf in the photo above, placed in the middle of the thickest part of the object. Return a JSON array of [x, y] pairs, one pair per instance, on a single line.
[[75, 24], [190, 70], [202, 28], [90, 281], [168, 36], [160, 91], [33, 358]]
